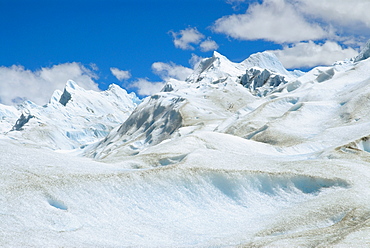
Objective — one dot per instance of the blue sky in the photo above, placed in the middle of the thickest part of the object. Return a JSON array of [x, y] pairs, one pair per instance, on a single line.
[[138, 44]]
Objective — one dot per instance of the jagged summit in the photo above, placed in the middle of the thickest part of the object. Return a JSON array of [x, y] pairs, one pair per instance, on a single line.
[[63, 97], [218, 67]]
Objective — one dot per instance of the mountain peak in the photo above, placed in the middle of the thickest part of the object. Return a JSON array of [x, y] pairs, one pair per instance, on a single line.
[[266, 60], [215, 67], [218, 55], [218, 66], [69, 90], [113, 87], [72, 86]]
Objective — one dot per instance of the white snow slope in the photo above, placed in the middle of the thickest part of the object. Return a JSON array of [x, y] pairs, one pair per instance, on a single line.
[[219, 160]]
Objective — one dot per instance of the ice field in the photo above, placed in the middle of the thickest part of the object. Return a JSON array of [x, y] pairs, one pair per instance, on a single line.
[[239, 155]]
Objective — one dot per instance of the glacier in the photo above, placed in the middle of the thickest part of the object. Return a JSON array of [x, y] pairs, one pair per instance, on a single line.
[[73, 117], [238, 155]]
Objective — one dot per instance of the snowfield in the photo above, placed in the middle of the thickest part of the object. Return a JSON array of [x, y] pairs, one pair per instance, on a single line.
[[238, 155], [52, 199]]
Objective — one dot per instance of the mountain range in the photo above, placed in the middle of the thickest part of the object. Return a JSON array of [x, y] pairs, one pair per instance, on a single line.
[[239, 154]]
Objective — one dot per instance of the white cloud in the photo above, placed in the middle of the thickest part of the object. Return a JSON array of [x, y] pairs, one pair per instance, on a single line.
[[291, 21], [208, 45], [17, 83], [145, 87], [94, 67], [184, 38], [299, 25], [274, 20], [171, 70], [353, 13], [236, 3], [165, 71], [309, 54], [120, 74]]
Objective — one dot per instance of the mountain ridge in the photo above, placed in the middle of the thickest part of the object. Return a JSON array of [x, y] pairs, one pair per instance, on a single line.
[[260, 75], [72, 118]]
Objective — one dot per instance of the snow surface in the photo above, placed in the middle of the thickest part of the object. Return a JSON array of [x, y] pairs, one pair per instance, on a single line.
[[204, 163]]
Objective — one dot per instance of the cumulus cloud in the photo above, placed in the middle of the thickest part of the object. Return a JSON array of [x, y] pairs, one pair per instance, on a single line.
[[120, 74], [187, 38], [309, 54], [145, 87], [352, 13], [165, 71], [273, 20], [292, 21], [171, 70], [310, 32], [208, 45], [184, 38], [17, 83]]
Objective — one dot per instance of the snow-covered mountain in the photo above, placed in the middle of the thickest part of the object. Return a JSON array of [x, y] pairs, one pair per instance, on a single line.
[[72, 118], [240, 154], [209, 96]]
